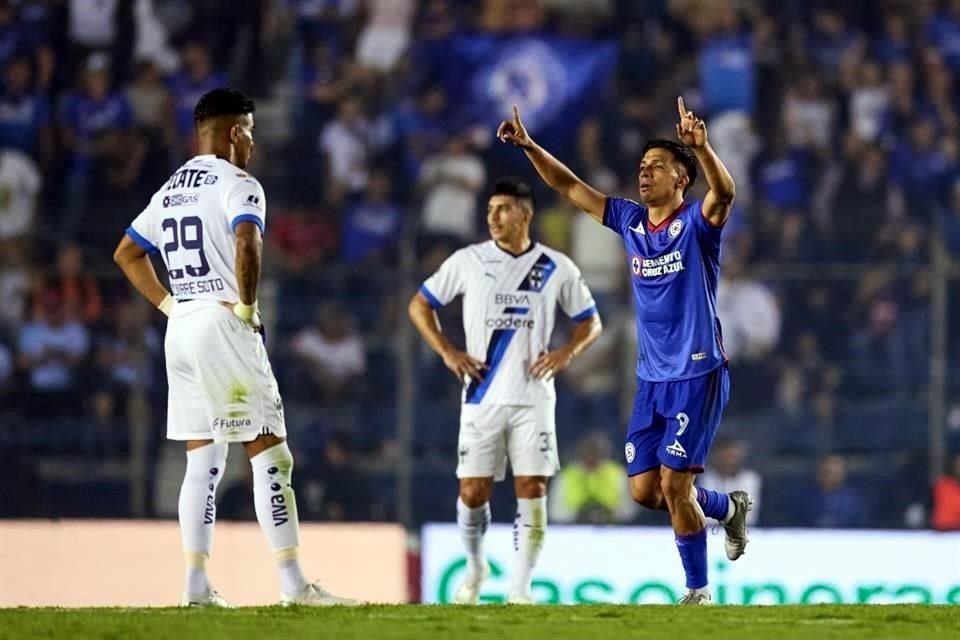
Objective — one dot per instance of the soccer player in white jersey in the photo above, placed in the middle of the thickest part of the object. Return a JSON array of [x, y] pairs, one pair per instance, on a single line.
[[206, 223], [511, 287]]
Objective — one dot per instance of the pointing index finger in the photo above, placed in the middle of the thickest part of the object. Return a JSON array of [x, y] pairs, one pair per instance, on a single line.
[[516, 115], [682, 108]]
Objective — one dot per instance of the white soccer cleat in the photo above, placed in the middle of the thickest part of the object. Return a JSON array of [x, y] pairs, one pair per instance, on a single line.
[[469, 591], [313, 595], [696, 598], [521, 600], [209, 599]]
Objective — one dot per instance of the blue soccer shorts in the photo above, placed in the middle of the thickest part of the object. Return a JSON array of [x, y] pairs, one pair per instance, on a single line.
[[673, 423]]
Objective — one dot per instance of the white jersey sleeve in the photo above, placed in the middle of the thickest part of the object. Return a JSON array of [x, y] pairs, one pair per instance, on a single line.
[[448, 282], [574, 296], [246, 202]]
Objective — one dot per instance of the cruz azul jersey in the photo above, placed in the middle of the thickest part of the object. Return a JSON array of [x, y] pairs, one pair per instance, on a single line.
[[675, 268], [190, 223], [509, 309]]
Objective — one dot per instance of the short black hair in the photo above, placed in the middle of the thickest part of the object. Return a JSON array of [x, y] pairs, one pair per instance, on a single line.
[[510, 186], [681, 153], [222, 102]]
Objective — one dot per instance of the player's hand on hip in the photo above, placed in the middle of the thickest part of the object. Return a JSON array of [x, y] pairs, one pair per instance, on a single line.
[[463, 365], [514, 132], [691, 130], [551, 363]]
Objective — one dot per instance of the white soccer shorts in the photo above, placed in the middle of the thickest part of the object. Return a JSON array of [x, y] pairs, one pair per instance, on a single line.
[[492, 434], [221, 385]]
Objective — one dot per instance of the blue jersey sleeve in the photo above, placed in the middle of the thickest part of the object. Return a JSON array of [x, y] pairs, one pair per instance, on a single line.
[[708, 234], [618, 213]]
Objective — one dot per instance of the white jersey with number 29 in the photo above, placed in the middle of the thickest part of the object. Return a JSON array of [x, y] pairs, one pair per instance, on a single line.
[[509, 309], [190, 223]]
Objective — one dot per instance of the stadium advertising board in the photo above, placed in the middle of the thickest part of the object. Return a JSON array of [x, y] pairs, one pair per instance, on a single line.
[[72, 563], [640, 565]]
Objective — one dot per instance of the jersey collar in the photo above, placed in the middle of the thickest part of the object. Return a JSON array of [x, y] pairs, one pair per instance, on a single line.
[[651, 228], [515, 255]]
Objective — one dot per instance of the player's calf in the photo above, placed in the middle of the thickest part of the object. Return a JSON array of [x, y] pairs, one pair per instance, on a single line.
[[645, 490]]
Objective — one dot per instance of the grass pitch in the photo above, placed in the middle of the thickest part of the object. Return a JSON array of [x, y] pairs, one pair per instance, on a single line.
[[583, 622]]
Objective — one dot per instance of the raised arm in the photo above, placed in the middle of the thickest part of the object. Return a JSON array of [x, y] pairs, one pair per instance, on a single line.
[[557, 175], [692, 132]]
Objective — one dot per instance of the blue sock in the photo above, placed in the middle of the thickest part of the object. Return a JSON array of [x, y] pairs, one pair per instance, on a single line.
[[693, 554], [714, 504]]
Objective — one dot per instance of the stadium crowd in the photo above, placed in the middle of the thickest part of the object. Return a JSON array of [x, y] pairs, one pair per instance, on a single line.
[[839, 123]]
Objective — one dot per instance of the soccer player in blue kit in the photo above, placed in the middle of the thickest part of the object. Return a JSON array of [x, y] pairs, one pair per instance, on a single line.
[[673, 250]]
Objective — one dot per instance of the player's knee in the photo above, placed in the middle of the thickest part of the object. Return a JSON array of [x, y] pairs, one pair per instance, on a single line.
[[646, 495], [475, 492], [675, 485], [531, 487]]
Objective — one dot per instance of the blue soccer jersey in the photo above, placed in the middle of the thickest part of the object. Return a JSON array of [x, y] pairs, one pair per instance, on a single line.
[[675, 268]]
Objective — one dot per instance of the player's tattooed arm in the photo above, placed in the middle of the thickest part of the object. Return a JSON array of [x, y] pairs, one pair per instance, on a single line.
[[553, 362], [460, 363], [136, 266], [692, 131], [557, 175], [249, 244]]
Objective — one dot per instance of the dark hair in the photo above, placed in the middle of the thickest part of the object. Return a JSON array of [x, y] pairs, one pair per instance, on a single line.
[[681, 154], [510, 186], [222, 102]]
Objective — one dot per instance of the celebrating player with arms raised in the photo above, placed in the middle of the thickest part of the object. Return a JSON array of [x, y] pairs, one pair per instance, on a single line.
[[673, 249]]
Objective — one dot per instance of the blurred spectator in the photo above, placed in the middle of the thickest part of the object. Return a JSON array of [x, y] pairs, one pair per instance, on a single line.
[[422, 126], [832, 502], [100, 25], [302, 239], [331, 354], [24, 112], [196, 77], [371, 227], [20, 184], [52, 349], [386, 33], [919, 171], [123, 354], [332, 487], [79, 292], [946, 499], [437, 20], [21, 35], [878, 356], [748, 312], [782, 176], [726, 473], [727, 67], [808, 115], [593, 488], [451, 182], [346, 143], [869, 98], [943, 32], [733, 138], [95, 126], [15, 284], [149, 101]]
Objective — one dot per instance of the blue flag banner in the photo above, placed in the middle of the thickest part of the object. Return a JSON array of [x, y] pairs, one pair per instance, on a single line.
[[554, 82]]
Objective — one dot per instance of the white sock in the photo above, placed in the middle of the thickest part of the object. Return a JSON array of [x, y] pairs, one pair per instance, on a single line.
[[731, 510], [473, 525], [529, 529], [276, 507], [197, 511]]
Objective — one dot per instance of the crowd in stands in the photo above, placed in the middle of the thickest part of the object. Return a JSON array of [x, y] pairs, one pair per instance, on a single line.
[[840, 123]]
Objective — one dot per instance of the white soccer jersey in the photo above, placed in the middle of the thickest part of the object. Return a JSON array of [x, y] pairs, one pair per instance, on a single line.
[[190, 222], [509, 309]]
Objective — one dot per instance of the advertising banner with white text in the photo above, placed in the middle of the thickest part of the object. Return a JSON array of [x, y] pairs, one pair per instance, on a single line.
[[581, 564]]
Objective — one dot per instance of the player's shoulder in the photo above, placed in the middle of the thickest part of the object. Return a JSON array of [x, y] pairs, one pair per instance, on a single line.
[[230, 175], [477, 252], [558, 257], [624, 204]]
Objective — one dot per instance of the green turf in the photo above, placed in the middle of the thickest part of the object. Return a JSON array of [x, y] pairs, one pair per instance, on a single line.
[[584, 622]]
